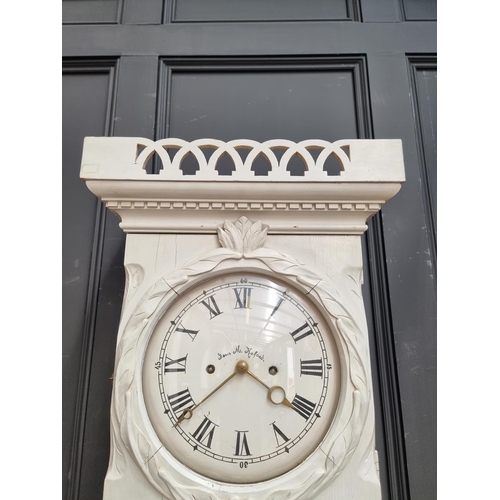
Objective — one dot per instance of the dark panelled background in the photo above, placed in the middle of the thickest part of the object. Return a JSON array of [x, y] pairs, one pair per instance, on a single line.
[[325, 69]]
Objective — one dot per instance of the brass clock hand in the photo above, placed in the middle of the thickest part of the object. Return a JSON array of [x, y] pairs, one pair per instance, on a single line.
[[188, 413], [284, 401]]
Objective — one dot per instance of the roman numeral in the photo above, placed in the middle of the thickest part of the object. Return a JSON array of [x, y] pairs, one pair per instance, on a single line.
[[299, 334], [311, 367], [212, 306], [242, 298], [242, 449], [180, 401], [205, 432], [278, 433], [176, 365], [302, 406], [191, 333], [277, 306]]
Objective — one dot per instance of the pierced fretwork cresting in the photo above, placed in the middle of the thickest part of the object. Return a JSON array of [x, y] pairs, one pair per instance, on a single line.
[[359, 158], [243, 168]]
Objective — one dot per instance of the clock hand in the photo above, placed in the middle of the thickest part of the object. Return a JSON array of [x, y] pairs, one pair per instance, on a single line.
[[244, 368], [188, 412]]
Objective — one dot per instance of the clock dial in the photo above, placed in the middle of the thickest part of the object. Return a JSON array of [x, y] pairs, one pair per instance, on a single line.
[[241, 378]]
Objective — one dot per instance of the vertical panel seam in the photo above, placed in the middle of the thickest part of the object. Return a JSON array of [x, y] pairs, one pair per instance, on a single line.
[[414, 63]]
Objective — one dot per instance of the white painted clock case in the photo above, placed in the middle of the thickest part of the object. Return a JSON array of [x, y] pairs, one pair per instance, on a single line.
[[337, 262], [334, 257]]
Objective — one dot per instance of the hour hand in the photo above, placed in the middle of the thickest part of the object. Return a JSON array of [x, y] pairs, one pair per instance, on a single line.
[[275, 394]]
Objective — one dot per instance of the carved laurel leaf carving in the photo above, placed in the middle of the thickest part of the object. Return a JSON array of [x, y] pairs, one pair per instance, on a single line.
[[243, 236]]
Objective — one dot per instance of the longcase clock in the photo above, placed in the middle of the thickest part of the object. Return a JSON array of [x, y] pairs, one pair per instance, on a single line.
[[242, 363]]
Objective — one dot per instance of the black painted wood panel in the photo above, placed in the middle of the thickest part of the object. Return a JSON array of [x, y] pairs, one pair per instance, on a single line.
[[420, 10], [96, 433], [143, 12], [409, 279], [134, 111], [95, 11], [86, 101], [381, 11], [290, 39], [262, 10]]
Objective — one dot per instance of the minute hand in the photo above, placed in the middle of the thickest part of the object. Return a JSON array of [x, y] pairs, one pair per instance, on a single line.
[[188, 413]]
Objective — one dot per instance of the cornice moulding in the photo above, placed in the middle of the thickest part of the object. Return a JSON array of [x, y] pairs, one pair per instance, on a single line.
[[315, 203]]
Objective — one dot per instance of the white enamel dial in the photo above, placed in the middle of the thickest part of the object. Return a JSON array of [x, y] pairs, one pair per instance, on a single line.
[[241, 378]]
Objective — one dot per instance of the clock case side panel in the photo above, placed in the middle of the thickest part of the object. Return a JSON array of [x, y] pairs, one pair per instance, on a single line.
[[336, 258]]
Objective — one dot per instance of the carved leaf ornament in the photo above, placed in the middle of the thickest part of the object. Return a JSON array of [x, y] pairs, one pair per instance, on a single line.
[[243, 236], [242, 241]]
